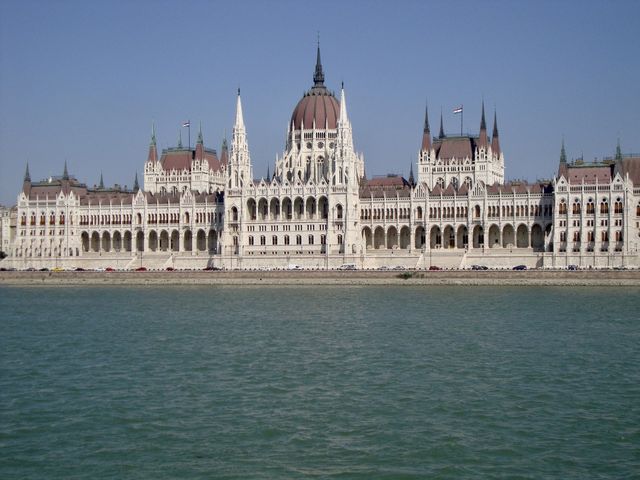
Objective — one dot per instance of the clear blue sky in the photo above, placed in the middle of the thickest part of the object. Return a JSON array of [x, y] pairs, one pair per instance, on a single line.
[[82, 81]]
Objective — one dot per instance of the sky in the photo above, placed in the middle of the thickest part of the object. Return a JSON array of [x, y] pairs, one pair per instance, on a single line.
[[82, 82]]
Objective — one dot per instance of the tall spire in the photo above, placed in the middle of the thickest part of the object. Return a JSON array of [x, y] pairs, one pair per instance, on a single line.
[[268, 174], [495, 142], [441, 134], [343, 106], [27, 176], [200, 134], [483, 140], [426, 134], [152, 157], [65, 173], [239, 118], [318, 76], [563, 153], [411, 179], [101, 186], [136, 185], [179, 138], [618, 151]]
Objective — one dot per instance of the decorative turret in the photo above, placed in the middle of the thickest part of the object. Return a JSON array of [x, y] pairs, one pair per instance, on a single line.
[[240, 171], [495, 141], [441, 134], [65, 173], [153, 152], [426, 133], [179, 138], [618, 151], [199, 155], [224, 152], [26, 184], [101, 185], [563, 153], [318, 76], [136, 186], [412, 181], [483, 141]]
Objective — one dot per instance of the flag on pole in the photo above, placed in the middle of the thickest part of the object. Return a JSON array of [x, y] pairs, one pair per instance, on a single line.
[[458, 110], [186, 124]]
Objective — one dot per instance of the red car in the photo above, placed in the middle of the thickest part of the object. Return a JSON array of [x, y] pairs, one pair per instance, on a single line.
[[170, 269], [109, 269], [141, 269]]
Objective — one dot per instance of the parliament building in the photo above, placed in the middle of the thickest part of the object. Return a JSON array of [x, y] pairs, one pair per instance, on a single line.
[[199, 208]]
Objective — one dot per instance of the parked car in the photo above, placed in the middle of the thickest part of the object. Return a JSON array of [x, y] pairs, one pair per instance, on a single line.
[[520, 267], [572, 267], [348, 266], [435, 267], [79, 269], [170, 269], [211, 269], [109, 269], [141, 269], [44, 269], [479, 267], [57, 269]]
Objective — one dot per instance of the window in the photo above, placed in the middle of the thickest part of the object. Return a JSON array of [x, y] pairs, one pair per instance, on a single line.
[[251, 240], [339, 239], [339, 212], [310, 239], [263, 240], [298, 239], [563, 208], [604, 207], [323, 239], [286, 239], [274, 240]]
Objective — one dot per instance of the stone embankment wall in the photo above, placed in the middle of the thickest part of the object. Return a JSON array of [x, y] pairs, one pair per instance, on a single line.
[[609, 278]]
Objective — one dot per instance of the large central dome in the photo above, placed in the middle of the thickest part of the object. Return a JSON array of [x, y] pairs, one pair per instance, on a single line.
[[318, 105]]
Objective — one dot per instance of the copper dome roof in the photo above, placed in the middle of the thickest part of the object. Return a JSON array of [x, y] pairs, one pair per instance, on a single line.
[[318, 104]]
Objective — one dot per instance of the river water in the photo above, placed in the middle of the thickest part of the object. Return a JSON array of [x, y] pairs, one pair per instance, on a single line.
[[319, 382]]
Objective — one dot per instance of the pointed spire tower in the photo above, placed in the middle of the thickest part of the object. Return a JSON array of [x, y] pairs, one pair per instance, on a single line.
[[224, 152], [240, 170], [65, 173], [441, 134], [618, 151], [26, 183], [412, 181], [101, 185], [199, 145], [563, 153], [153, 152], [136, 185], [483, 141], [495, 141], [318, 75], [426, 132]]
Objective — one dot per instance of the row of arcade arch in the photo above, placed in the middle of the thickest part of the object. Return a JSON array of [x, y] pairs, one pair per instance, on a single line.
[[450, 237], [154, 241]]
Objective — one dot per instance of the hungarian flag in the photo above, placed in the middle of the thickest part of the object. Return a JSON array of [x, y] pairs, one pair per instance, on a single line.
[[458, 110], [186, 124]]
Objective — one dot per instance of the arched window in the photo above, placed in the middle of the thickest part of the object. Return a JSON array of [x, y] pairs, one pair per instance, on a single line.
[[339, 239], [562, 209], [251, 240], [274, 240], [476, 211], [263, 240], [339, 212], [604, 206], [286, 240], [298, 239], [576, 207], [310, 239]]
